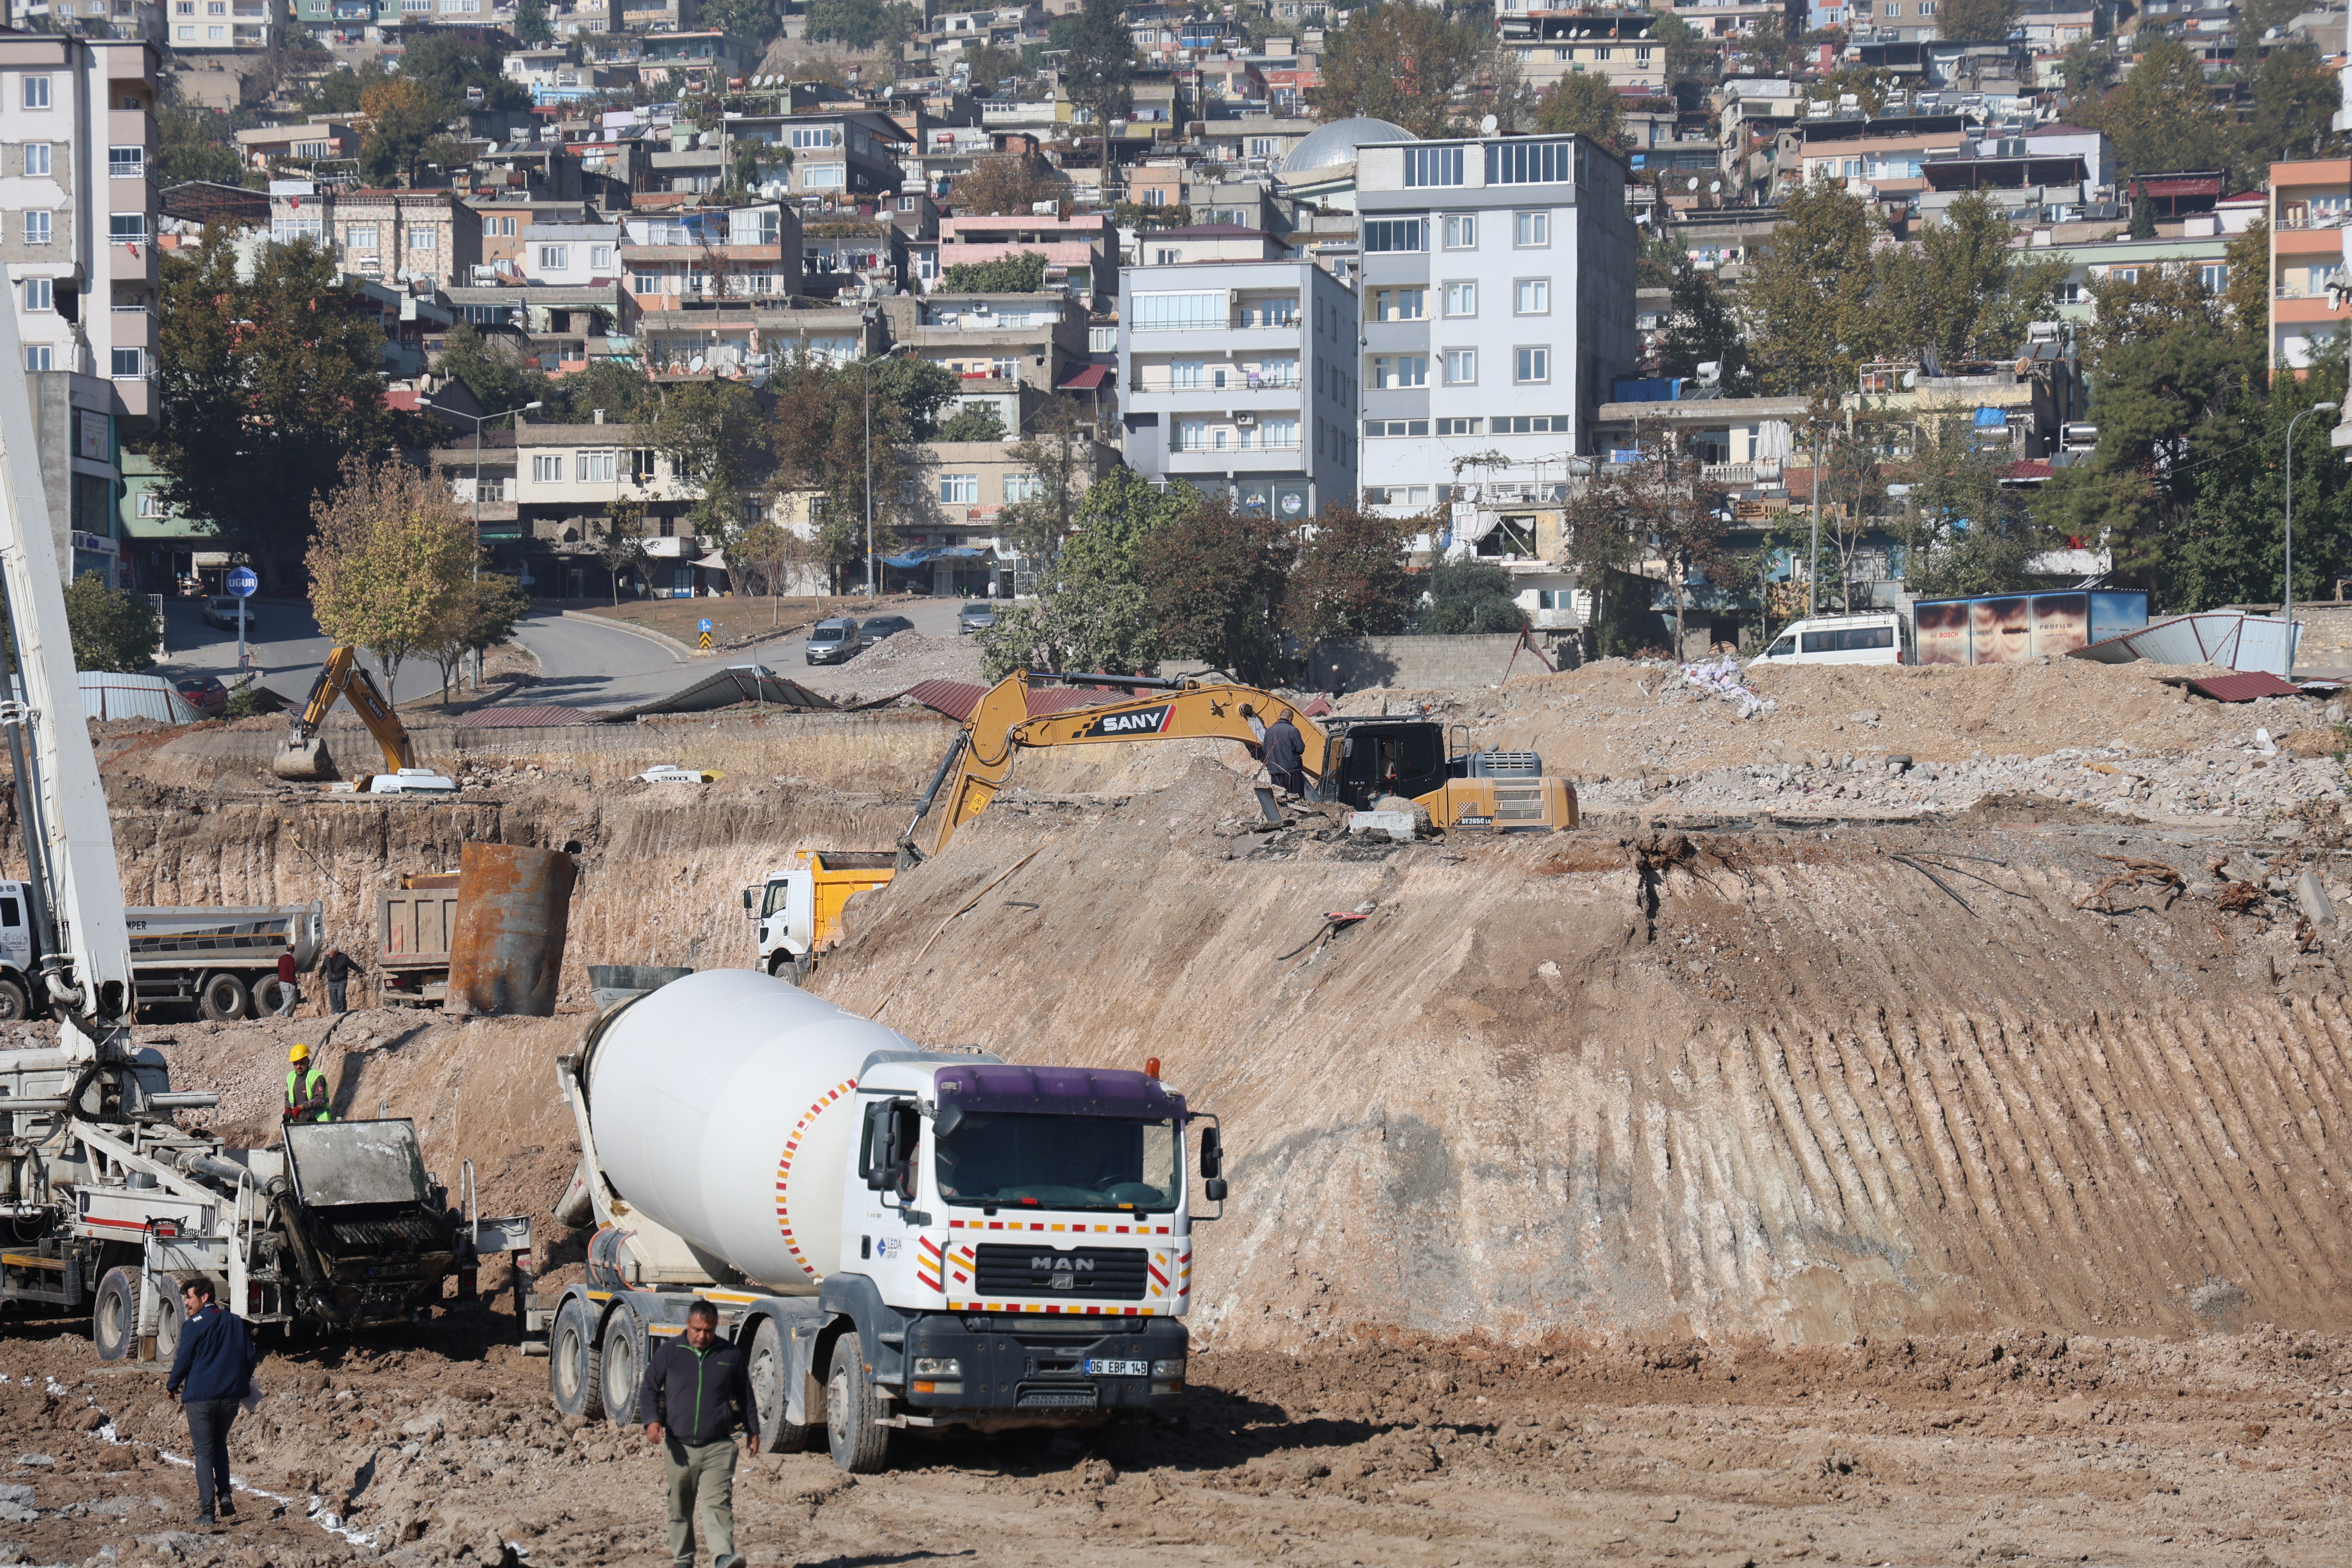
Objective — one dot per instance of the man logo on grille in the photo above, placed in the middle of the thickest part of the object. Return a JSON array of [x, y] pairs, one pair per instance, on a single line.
[[1064, 1265]]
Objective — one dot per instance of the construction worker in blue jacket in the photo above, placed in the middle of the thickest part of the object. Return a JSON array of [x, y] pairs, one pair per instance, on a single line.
[[306, 1089]]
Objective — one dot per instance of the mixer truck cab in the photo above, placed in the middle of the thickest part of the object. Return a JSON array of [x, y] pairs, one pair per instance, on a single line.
[[900, 1240]]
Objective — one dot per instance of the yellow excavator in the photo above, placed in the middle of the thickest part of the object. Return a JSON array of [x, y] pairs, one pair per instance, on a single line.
[[302, 755], [1352, 760]]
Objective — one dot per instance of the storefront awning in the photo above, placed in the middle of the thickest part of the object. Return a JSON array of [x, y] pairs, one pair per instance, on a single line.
[[914, 558]]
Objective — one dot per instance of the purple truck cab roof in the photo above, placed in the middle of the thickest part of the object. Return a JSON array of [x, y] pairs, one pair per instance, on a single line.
[[1000, 1088]]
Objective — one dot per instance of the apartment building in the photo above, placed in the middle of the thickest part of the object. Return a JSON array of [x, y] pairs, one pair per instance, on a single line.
[[1081, 251], [77, 136], [1497, 300], [838, 154], [1239, 378], [567, 477], [508, 225], [2310, 213], [949, 541], [573, 255], [415, 238], [1553, 45], [996, 345], [315, 140], [221, 27], [673, 262]]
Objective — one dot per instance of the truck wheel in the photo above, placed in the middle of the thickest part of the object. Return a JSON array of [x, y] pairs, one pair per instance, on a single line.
[[853, 1412], [114, 1315], [223, 998], [623, 1362], [168, 1318], [767, 1367], [15, 1004], [574, 1364]]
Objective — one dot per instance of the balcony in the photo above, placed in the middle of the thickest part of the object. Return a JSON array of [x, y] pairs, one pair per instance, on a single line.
[[1767, 472]]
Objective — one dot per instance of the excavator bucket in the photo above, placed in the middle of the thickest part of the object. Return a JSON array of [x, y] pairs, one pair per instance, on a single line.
[[298, 759]]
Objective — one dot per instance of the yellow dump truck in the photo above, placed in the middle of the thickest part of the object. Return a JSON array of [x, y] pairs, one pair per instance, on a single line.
[[796, 912]]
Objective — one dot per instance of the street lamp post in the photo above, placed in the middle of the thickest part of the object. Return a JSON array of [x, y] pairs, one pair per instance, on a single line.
[[2287, 601], [477, 419], [865, 371]]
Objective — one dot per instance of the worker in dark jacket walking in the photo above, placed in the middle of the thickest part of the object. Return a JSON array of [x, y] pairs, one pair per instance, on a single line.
[[337, 968], [289, 992], [212, 1370], [696, 1392]]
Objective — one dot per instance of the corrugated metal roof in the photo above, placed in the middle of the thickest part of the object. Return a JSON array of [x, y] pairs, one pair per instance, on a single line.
[[957, 698], [545, 714], [2244, 686]]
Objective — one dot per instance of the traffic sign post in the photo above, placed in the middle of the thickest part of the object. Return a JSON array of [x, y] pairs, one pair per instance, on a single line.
[[703, 642], [242, 583]]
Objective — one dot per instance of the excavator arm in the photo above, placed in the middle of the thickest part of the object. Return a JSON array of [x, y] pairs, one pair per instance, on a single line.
[[303, 754]]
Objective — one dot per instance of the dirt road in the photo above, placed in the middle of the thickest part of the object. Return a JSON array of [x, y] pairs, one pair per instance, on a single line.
[[2004, 1449]]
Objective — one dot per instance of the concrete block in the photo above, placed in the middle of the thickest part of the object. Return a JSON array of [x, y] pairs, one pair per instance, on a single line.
[[1395, 825]]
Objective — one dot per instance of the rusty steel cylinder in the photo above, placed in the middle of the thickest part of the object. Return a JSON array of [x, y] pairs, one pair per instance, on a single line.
[[507, 954]]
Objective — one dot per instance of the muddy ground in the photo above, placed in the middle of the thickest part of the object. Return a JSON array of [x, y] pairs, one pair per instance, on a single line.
[[2024, 1448]]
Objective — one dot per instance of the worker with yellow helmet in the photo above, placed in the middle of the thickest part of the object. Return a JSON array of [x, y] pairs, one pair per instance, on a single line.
[[306, 1089]]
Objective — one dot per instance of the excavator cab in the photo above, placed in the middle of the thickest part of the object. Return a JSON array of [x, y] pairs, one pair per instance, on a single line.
[[1402, 758]]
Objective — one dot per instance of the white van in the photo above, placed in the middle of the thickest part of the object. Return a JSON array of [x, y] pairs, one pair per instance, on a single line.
[[1880, 637]]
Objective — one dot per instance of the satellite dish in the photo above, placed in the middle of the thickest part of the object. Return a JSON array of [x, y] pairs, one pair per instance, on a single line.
[[1713, 186], [696, 364], [1488, 126], [1694, 182]]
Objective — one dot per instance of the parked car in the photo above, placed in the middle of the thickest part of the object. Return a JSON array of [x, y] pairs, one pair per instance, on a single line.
[[832, 642], [976, 616], [205, 693], [1875, 637], [880, 626], [220, 610]]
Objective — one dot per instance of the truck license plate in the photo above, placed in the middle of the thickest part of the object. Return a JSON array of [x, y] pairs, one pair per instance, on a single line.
[[1118, 1368]]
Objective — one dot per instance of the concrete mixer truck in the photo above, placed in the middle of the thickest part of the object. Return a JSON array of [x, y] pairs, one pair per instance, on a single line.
[[898, 1238]]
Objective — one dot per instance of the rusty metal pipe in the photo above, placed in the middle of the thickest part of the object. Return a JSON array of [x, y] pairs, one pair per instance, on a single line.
[[507, 954]]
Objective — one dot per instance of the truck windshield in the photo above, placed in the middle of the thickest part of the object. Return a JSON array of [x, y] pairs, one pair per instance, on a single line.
[[1060, 1162]]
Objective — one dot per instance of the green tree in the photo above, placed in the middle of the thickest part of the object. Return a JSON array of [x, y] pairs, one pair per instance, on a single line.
[[1582, 103], [1701, 329], [1962, 531], [1411, 65], [860, 24], [2087, 66], [625, 394], [1977, 21], [341, 91], [990, 65], [1660, 257], [1061, 459], [494, 370], [1215, 582], [531, 24], [2295, 96], [717, 439], [392, 553], [1092, 612], [617, 540], [1007, 185], [113, 628], [481, 612], [920, 389], [1100, 68], [448, 64], [972, 422], [1691, 59], [2247, 294], [2161, 117], [1470, 595], [750, 25], [267, 387], [817, 429], [2229, 547], [192, 142], [1024, 273], [1809, 293], [1965, 291], [1350, 580], [1147, 219], [403, 116]]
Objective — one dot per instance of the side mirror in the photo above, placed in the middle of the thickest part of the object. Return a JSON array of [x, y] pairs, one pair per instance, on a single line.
[[1213, 1189], [1212, 1154], [747, 900]]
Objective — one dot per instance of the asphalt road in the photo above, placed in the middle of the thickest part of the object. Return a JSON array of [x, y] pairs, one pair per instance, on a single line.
[[286, 644]]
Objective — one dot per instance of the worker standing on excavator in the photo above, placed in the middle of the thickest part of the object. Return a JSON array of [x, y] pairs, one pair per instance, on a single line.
[[306, 1089], [1285, 750]]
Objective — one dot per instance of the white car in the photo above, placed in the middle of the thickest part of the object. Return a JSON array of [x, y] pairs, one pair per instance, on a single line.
[[1876, 637], [412, 781], [670, 773]]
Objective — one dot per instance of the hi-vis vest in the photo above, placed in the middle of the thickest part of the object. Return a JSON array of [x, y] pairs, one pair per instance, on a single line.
[[311, 1092]]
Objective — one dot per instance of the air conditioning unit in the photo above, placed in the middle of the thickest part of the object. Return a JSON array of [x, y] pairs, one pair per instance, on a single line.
[[1245, 420]]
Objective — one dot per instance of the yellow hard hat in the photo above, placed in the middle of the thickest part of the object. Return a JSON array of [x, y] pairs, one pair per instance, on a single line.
[[299, 1054]]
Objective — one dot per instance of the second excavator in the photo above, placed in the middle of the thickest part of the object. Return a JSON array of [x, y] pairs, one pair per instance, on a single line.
[[302, 755]]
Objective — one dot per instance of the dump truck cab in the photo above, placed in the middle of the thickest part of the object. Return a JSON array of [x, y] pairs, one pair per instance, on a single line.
[[796, 911]]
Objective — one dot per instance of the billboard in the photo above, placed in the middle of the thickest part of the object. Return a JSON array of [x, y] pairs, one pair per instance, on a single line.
[[2011, 628]]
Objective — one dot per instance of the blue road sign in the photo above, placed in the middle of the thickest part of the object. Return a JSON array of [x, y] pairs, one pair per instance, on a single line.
[[241, 582], [704, 624]]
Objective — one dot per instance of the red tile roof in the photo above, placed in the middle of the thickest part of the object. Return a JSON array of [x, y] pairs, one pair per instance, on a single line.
[[2244, 686], [1090, 379]]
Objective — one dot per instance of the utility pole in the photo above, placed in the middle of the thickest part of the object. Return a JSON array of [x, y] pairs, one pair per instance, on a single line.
[[477, 419], [1813, 561]]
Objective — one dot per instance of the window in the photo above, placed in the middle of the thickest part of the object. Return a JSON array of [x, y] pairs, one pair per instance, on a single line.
[[1531, 297], [1396, 234], [1533, 365], [359, 236], [500, 228], [1461, 367], [641, 466], [1457, 426], [1531, 229], [2214, 276], [1462, 232], [552, 258], [1516, 163], [1021, 487], [2123, 274], [1185, 373], [37, 158], [1376, 428], [1530, 425], [35, 92], [1642, 55], [214, 33], [1172, 312], [39, 294], [596, 467], [824, 176], [1279, 431], [150, 504], [1005, 370], [958, 489], [600, 256], [1394, 372], [1432, 165], [818, 136], [1192, 435], [547, 468], [126, 229], [37, 356], [123, 163], [425, 237], [1847, 639], [1462, 299], [130, 365], [37, 228], [1399, 304]]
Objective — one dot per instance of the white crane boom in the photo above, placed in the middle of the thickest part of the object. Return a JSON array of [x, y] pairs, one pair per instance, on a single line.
[[87, 959]]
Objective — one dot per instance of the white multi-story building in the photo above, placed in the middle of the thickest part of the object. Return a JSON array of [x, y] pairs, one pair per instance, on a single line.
[[77, 236], [1497, 298], [1240, 380]]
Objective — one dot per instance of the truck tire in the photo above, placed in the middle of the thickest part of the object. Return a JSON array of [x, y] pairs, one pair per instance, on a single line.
[[15, 1003], [267, 995], [223, 998], [575, 1365], [768, 1366], [622, 1365], [853, 1412], [114, 1314]]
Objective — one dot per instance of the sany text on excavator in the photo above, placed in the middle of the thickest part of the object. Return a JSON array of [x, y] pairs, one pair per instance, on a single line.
[[303, 754], [1348, 759]]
